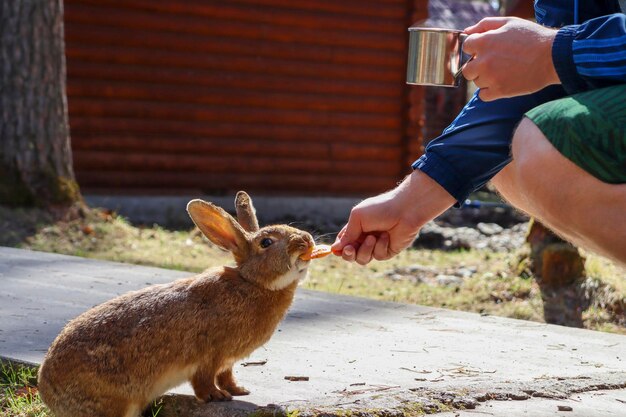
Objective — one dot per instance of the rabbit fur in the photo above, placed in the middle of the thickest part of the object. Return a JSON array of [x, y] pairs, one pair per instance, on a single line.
[[114, 359]]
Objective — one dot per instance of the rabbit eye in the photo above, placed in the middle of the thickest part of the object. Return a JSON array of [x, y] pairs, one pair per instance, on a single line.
[[266, 242]]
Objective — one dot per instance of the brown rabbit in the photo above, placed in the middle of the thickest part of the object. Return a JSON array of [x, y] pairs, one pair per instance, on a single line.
[[114, 359]]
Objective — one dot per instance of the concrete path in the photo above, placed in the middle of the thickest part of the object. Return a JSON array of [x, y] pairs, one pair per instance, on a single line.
[[360, 356]]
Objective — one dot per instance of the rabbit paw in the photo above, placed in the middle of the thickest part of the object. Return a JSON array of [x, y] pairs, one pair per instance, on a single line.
[[218, 395], [236, 390]]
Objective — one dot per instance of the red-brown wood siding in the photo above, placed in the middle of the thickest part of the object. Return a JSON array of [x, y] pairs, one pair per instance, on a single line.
[[271, 96]]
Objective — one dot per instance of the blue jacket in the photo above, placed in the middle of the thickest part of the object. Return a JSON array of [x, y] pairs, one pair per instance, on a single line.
[[589, 55]]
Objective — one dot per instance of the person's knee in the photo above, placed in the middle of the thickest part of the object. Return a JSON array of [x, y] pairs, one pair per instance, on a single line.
[[525, 146], [531, 176], [507, 180]]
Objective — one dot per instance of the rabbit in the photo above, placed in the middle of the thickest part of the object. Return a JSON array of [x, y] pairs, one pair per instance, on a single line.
[[117, 357]]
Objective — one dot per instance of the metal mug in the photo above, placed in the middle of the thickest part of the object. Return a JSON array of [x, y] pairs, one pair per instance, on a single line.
[[435, 56]]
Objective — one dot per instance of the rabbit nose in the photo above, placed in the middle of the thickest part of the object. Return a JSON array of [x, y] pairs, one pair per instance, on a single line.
[[308, 239]]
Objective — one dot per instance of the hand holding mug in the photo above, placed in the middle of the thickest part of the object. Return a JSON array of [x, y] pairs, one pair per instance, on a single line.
[[511, 57]]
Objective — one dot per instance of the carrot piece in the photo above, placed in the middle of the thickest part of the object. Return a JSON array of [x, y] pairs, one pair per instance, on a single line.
[[319, 251]]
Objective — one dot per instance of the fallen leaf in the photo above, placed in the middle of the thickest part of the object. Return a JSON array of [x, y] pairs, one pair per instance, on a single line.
[[25, 391]]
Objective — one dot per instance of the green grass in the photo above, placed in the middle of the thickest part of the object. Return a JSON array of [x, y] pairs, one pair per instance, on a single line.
[[18, 395]]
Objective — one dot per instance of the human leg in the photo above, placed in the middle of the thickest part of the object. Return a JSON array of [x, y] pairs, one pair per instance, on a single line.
[[575, 204]]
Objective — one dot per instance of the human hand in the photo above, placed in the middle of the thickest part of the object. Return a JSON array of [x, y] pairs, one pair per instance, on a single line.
[[511, 57], [382, 226]]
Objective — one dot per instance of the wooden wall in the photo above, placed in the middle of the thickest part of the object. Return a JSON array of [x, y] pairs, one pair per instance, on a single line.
[[271, 96]]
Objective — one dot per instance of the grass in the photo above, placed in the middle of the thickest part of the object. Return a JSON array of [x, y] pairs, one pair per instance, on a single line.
[[497, 284], [18, 395]]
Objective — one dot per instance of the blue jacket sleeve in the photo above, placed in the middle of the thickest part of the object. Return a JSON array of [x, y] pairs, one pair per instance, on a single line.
[[476, 145], [591, 55]]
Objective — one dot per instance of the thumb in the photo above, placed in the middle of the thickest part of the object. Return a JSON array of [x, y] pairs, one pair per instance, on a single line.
[[487, 24], [350, 233]]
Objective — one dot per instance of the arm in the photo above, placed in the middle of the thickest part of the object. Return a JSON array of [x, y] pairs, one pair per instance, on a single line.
[[591, 55], [476, 146], [468, 153]]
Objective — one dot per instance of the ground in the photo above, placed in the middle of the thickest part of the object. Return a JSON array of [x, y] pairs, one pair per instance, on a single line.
[[488, 281]]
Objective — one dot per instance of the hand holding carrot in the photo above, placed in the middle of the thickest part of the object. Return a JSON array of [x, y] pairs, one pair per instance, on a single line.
[[382, 226]]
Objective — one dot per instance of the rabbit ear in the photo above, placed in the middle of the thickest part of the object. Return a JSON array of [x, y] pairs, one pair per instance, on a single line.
[[219, 226], [246, 214]]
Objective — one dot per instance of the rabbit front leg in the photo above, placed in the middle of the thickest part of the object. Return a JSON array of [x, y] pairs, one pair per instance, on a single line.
[[226, 380], [203, 383]]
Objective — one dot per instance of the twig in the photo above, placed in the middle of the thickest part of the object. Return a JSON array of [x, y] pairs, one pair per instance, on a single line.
[[376, 388], [297, 378], [423, 371], [254, 363]]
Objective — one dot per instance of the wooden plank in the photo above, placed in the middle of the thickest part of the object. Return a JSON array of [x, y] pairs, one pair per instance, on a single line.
[[89, 88], [146, 127], [241, 147], [124, 18], [210, 183], [256, 65], [255, 13], [207, 163], [236, 80], [104, 36], [349, 7], [236, 114]]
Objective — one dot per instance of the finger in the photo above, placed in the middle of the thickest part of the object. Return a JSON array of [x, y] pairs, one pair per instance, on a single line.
[[488, 23], [471, 45], [336, 246], [480, 83], [364, 253], [353, 230], [381, 250], [470, 70], [348, 253], [487, 94]]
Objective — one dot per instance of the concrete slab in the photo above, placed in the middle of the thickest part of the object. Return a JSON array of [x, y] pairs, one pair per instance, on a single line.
[[360, 356]]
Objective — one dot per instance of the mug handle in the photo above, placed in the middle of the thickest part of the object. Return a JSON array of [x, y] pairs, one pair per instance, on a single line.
[[459, 72]]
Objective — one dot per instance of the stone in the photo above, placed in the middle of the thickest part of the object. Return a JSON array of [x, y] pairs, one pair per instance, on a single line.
[[448, 280], [489, 229]]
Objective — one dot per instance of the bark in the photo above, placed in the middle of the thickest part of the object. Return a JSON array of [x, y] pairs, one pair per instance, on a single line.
[[555, 262], [35, 153]]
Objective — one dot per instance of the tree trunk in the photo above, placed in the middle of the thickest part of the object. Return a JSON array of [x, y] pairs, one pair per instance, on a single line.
[[555, 262], [35, 153]]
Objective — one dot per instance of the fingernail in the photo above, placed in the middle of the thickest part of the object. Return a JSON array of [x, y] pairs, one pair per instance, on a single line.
[[348, 250]]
